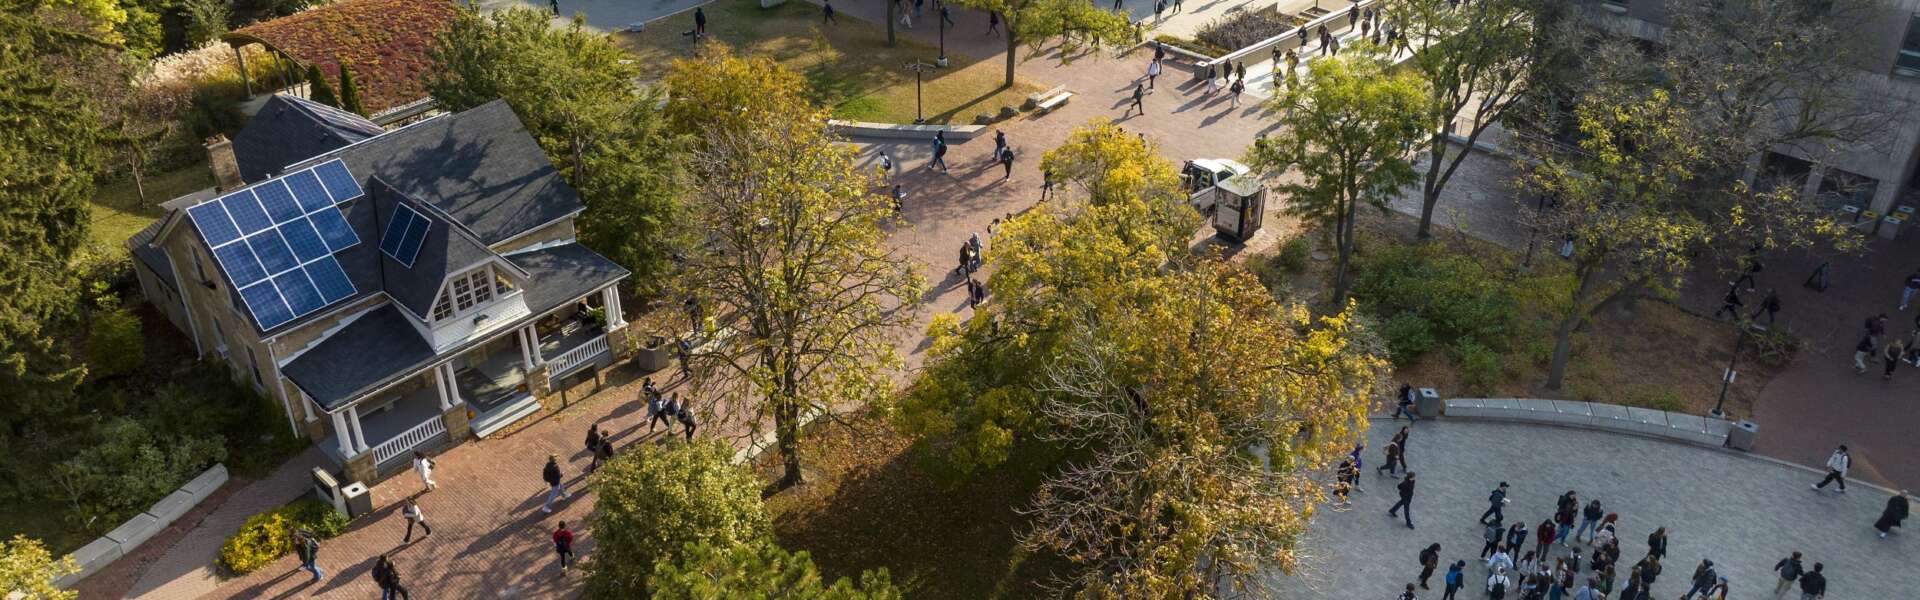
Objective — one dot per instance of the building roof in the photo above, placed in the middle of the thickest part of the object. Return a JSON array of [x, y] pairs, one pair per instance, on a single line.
[[448, 248], [565, 273], [289, 129], [384, 42], [142, 247]]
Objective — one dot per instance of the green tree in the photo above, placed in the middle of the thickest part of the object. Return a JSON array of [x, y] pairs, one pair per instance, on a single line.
[[1347, 132], [1477, 63], [573, 89], [654, 502], [128, 470], [1033, 21], [27, 567], [721, 91], [206, 20], [1206, 413], [759, 569], [321, 91], [350, 93], [799, 254], [116, 343]]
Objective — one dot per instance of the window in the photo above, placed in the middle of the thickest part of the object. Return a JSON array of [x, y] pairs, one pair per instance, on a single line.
[[468, 291], [501, 286], [1908, 60], [254, 362], [442, 309]]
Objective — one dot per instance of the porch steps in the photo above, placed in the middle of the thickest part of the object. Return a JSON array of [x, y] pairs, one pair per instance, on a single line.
[[486, 424]]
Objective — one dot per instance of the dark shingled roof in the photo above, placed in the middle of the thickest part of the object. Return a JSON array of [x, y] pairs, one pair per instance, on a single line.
[[448, 248], [366, 353], [288, 130], [563, 273]]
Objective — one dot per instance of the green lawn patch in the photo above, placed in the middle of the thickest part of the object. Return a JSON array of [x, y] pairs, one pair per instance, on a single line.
[[849, 67], [118, 212]]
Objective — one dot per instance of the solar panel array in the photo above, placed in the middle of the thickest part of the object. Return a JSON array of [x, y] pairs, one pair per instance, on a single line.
[[276, 241], [404, 233]]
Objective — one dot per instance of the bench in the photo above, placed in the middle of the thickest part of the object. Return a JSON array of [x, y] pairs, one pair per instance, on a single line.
[[1571, 413], [1046, 101]]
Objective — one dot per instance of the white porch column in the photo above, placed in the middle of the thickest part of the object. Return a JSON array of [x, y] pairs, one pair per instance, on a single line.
[[440, 385], [533, 335], [526, 352], [306, 405], [359, 436], [342, 434], [610, 297], [452, 388]]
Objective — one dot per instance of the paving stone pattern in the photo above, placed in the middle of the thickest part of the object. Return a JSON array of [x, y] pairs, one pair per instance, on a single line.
[[1742, 512]]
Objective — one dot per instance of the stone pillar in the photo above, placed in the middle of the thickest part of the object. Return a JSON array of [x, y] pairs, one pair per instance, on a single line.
[[361, 468], [623, 341], [456, 420], [311, 426]]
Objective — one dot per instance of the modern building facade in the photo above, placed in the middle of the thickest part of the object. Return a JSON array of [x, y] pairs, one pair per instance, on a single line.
[[392, 290]]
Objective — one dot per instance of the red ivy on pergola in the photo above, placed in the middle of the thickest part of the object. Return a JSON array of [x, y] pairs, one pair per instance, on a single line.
[[384, 42]]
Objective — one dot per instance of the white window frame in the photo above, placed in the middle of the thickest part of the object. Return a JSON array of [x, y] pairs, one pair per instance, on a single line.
[[483, 289]]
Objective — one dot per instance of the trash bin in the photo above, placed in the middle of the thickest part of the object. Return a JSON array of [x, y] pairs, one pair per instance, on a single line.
[[653, 356], [1742, 434], [358, 498], [328, 489], [1428, 404]]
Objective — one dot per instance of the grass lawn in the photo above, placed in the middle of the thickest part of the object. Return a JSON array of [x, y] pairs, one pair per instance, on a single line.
[[849, 65], [118, 212], [868, 505]]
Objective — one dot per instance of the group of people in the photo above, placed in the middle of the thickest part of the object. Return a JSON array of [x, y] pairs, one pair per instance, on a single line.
[[667, 409]]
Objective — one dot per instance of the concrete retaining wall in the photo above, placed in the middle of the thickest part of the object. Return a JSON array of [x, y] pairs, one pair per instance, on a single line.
[[128, 536], [904, 132], [1681, 427]]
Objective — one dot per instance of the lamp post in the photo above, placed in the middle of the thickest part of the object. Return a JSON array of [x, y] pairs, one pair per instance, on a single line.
[[940, 14], [917, 67], [1726, 379]]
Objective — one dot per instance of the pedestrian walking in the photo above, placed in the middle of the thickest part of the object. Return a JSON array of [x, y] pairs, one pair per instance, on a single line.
[[1753, 267], [1408, 595], [388, 578], [993, 23], [1240, 70], [1159, 6], [1453, 580], [699, 23], [1877, 327], [684, 348], [1391, 461], [1516, 537], [1730, 304], [1893, 514], [1589, 520], [605, 452], [1235, 88], [1789, 569], [1403, 403], [1343, 485], [423, 467], [563, 545], [1496, 505], [1906, 293], [686, 419], [1139, 92], [1704, 576], [1813, 584], [1891, 358], [1771, 307], [826, 13], [1429, 560], [1406, 500], [1657, 545], [1046, 183], [593, 446], [556, 488], [1494, 533], [1153, 72], [1006, 161], [1500, 561], [1861, 351], [307, 547], [1400, 439], [1213, 81], [1543, 536], [999, 144], [555, 5], [654, 413], [1837, 465], [414, 517]]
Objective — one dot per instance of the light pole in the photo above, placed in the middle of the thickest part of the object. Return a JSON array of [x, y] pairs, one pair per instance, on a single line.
[[917, 67], [1726, 379], [940, 13]]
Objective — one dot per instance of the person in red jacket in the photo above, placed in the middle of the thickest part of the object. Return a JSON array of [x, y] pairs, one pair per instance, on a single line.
[[563, 545]]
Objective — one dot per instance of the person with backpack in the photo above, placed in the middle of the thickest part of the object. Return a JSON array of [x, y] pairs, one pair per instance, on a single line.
[[654, 416], [1006, 161], [1403, 405], [939, 152], [1496, 505], [1837, 465], [414, 517], [1492, 535], [1139, 92], [1238, 85], [1429, 560], [388, 578], [686, 419], [556, 487], [1453, 580], [1497, 584], [563, 545], [1789, 569], [593, 447], [1408, 595], [1704, 577], [308, 549], [605, 452]]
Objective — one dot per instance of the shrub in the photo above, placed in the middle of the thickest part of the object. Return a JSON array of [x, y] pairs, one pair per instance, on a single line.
[[27, 568], [1408, 335], [758, 570], [116, 346], [1242, 29], [1190, 45], [1293, 254], [267, 535], [654, 501], [129, 469], [1480, 367], [1456, 295]]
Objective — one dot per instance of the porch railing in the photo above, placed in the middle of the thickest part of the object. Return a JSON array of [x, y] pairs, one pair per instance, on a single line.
[[566, 361], [407, 441]]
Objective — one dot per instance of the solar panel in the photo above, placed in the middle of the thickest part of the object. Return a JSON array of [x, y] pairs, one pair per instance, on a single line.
[[213, 223], [240, 264], [334, 229], [299, 292], [403, 218], [306, 242], [306, 189], [272, 251], [338, 180], [410, 245], [330, 280], [265, 303], [246, 212], [278, 201]]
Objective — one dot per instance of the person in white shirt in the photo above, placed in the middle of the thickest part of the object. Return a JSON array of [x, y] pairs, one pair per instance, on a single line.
[[424, 467], [1498, 583], [1499, 562], [1836, 469]]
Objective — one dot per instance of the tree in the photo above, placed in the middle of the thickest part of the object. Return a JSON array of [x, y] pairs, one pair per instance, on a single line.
[[1346, 131], [1476, 62], [146, 120], [573, 89], [206, 20], [799, 256], [320, 91], [1206, 412], [350, 93], [720, 91], [1033, 21], [758, 569], [979, 394], [654, 502], [27, 567]]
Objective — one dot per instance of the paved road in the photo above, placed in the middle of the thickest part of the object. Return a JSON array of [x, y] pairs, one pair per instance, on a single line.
[[602, 15], [1742, 512]]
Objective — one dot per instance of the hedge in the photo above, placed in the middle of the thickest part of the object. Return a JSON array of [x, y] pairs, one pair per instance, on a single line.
[[269, 534]]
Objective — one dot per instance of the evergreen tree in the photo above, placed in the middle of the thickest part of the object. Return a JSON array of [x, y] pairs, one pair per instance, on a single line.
[[350, 93], [321, 91]]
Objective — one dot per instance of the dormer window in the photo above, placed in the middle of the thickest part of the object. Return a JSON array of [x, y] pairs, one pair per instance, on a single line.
[[469, 291]]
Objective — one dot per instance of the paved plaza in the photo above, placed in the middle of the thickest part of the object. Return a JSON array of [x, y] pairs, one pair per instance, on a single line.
[[1742, 512]]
